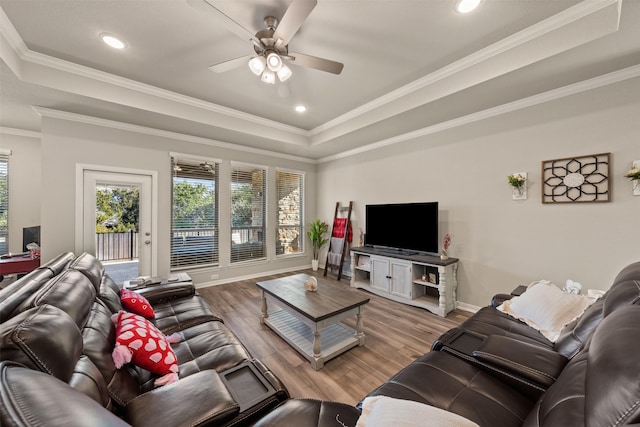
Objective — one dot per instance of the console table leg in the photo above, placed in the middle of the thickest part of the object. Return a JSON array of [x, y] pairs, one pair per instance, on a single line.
[[265, 313]]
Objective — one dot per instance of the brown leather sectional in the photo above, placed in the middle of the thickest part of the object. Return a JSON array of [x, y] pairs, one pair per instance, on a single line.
[[57, 320], [57, 337]]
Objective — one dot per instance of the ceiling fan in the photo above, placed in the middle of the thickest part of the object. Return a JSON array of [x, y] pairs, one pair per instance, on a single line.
[[271, 45]]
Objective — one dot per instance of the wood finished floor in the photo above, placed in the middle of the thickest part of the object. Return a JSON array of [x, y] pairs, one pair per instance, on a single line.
[[396, 334]]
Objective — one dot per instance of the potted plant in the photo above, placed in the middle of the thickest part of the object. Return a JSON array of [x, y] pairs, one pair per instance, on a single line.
[[316, 231]]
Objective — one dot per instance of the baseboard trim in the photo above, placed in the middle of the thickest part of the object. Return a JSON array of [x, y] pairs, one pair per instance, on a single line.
[[468, 307], [249, 276]]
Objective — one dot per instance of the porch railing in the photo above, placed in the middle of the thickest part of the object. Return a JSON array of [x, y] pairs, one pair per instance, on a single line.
[[117, 246]]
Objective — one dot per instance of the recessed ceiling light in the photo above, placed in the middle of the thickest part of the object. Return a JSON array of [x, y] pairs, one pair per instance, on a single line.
[[466, 6], [301, 108], [112, 41]]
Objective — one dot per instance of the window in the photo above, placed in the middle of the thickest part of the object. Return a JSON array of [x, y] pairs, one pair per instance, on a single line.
[[289, 229], [248, 195], [194, 217], [4, 201]]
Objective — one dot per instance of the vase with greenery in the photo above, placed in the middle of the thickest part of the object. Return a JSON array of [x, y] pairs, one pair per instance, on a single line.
[[316, 232], [518, 183]]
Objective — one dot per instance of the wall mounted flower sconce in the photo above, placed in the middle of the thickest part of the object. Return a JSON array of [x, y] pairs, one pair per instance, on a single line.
[[634, 175], [518, 183]]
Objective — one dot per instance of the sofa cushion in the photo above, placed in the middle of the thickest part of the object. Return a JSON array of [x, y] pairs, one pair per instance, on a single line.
[[546, 308], [180, 314], [489, 321], [99, 337], [613, 381], [70, 291], [90, 266], [43, 338], [109, 294], [209, 345], [31, 398], [620, 295], [17, 292], [445, 381], [88, 380], [600, 386]]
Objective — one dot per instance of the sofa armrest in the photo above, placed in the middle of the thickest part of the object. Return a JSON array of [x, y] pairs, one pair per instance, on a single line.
[[167, 291], [499, 299], [200, 399], [528, 361]]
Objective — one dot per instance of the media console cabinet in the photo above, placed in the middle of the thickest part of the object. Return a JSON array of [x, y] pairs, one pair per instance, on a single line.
[[420, 280]]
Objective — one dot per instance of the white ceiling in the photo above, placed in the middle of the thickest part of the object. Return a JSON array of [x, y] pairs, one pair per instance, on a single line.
[[411, 67]]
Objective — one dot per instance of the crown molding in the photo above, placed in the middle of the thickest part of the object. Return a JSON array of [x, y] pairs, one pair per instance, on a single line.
[[11, 35], [112, 79], [21, 50], [113, 124], [514, 41], [20, 132], [541, 98]]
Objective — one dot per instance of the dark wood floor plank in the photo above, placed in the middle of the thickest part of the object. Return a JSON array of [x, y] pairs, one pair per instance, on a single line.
[[396, 333]]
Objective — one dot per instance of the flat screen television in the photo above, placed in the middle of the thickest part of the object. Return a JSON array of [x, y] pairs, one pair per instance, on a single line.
[[403, 226]]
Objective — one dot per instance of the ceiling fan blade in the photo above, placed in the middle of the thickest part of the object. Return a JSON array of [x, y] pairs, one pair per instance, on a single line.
[[230, 64], [292, 20], [315, 62], [230, 24]]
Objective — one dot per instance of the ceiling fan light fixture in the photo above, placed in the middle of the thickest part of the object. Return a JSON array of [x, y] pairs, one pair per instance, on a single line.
[[466, 6], [269, 77], [257, 64], [284, 73], [274, 62]]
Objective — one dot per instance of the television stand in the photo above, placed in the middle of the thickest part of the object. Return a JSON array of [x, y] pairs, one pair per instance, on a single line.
[[398, 276]]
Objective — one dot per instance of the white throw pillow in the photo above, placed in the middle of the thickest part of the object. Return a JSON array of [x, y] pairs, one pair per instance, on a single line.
[[383, 411], [546, 308]]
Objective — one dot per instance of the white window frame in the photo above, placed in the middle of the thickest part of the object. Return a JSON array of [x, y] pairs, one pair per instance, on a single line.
[[192, 263], [254, 250], [301, 224]]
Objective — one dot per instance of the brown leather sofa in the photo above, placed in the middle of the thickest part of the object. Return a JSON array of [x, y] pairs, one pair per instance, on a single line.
[[57, 337], [508, 374], [505, 374]]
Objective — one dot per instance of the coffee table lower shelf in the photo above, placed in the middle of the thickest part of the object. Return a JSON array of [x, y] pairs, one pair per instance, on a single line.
[[334, 340]]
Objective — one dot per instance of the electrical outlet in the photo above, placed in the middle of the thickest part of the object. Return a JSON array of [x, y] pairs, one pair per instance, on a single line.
[[215, 276]]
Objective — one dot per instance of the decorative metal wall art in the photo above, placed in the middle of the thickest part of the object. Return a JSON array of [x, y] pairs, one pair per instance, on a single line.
[[576, 179]]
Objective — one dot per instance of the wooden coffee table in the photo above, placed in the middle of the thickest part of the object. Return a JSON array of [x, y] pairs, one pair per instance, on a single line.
[[309, 321]]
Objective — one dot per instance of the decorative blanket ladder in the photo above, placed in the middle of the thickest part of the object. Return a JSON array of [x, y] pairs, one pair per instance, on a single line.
[[341, 235]]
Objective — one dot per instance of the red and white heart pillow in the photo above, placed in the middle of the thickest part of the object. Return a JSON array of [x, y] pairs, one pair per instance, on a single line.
[[136, 303], [138, 341]]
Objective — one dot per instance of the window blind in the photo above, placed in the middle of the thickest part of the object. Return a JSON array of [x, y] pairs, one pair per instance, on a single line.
[[289, 229], [248, 201], [4, 203], [194, 217]]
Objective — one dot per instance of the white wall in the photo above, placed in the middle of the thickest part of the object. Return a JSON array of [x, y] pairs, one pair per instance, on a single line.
[[502, 243], [24, 185], [66, 144]]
